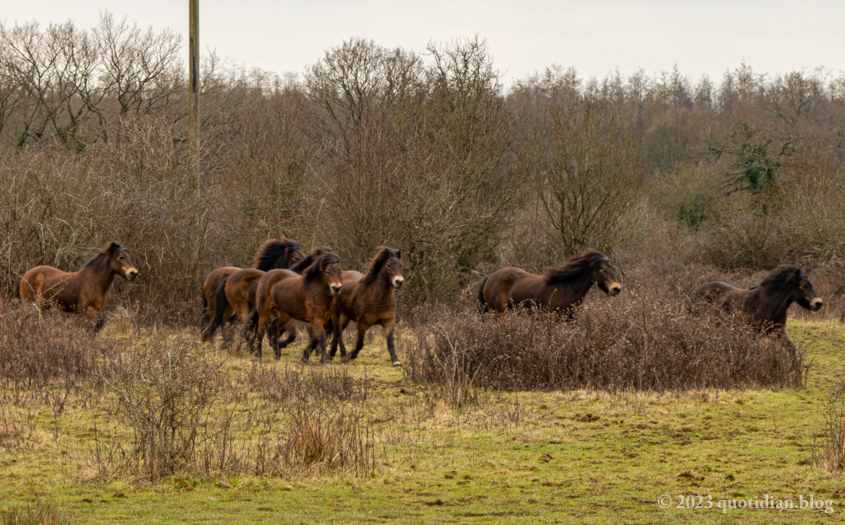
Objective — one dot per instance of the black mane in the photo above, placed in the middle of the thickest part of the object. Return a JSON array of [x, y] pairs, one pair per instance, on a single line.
[[271, 251], [309, 259], [384, 253], [110, 249], [577, 267], [313, 272], [783, 275]]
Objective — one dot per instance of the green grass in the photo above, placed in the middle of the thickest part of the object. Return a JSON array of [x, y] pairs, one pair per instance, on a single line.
[[533, 457]]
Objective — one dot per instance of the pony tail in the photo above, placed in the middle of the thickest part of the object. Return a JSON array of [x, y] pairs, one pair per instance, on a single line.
[[18, 289], [482, 304], [221, 303]]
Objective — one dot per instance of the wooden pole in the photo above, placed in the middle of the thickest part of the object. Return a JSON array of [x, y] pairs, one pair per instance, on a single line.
[[193, 91]]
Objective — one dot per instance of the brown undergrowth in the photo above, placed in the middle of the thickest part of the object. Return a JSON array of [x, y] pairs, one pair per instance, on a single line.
[[645, 341]]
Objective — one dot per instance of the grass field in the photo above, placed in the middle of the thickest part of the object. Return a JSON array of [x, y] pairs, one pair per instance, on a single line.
[[531, 457]]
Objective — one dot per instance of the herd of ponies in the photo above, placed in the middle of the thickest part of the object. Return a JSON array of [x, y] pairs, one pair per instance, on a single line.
[[284, 285]]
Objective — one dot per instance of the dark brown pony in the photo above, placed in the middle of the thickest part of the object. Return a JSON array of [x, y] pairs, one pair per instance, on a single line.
[[275, 330], [368, 300], [235, 297], [560, 288], [81, 292], [767, 303], [285, 295]]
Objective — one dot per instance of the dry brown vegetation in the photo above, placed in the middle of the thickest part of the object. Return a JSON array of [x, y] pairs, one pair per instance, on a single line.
[[646, 341], [42, 512], [379, 146]]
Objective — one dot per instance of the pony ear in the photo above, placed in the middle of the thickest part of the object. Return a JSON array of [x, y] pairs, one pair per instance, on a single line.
[[399, 254], [112, 247]]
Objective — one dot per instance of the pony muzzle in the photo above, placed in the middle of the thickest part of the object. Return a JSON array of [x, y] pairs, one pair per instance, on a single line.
[[131, 274], [816, 303], [335, 288], [398, 281], [614, 289]]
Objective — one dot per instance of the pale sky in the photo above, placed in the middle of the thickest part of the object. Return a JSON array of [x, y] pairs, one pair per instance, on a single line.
[[596, 37]]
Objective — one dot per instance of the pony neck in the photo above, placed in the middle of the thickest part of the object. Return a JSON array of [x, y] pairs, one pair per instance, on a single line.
[[382, 285], [101, 271], [782, 299], [577, 292]]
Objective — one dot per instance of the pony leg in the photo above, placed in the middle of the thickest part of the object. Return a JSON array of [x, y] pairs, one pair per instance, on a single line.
[[97, 320], [257, 333], [343, 354], [306, 354], [359, 344], [290, 328], [319, 335], [273, 333], [340, 325], [323, 356], [388, 330]]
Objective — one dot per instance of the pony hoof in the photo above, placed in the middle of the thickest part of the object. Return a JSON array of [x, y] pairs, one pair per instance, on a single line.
[[397, 363], [345, 359]]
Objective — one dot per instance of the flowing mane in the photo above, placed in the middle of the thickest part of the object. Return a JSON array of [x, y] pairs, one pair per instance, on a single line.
[[111, 248], [384, 253], [575, 268], [783, 275], [270, 252], [309, 259], [313, 272]]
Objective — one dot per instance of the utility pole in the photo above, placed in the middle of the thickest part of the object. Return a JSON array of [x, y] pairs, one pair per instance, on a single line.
[[193, 91]]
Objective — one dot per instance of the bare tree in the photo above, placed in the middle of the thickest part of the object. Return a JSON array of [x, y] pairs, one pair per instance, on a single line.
[[358, 75], [589, 176], [141, 70]]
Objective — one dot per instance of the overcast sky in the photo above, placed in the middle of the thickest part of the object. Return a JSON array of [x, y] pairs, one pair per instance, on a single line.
[[596, 37]]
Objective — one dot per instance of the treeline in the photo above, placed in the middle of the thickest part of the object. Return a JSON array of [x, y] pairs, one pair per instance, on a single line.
[[428, 152]]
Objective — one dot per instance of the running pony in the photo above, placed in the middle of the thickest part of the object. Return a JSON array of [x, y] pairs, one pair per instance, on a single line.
[[368, 300], [560, 288], [767, 303], [82, 292], [285, 295]]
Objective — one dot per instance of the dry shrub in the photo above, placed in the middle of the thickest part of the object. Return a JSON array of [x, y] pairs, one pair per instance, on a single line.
[[165, 392], [829, 454], [324, 426], [646, 341], [40, 349], [280, 385], [189, 418], [43, 512], [797, 222]]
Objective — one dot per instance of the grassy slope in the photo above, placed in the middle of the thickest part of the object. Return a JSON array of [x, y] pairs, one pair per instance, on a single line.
[[576, 457]]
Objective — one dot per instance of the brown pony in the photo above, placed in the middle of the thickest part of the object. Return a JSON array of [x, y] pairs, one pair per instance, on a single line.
[[235, 297], [767, 303], [368, 300], [560, 288], [285, 295], [275, 330], [81, 292]]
